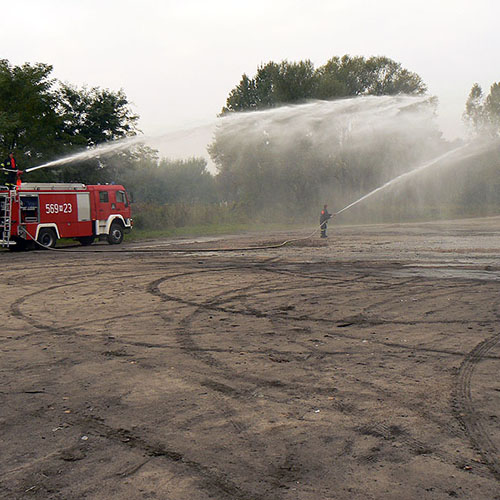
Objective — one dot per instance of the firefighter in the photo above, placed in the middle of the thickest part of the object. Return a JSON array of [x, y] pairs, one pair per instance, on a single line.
[[323, 220], [10, 164]]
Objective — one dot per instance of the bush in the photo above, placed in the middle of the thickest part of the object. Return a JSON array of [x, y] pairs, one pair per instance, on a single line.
[[175, 215]]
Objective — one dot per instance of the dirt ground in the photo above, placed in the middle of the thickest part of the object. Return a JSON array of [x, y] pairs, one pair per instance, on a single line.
[[365, 366]]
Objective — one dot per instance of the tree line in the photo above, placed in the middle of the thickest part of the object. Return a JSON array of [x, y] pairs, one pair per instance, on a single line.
[[276, 84], [288, 175], [297, 174]]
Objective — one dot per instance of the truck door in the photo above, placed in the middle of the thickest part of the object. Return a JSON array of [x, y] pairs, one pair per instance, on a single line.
[[103, 205], [121, 202]]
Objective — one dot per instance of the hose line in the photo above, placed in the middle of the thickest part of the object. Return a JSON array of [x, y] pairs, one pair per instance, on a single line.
[[176, 250]]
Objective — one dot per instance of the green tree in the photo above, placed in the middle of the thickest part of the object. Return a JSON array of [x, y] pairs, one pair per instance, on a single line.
[[243, 96], [273, 85], [343, 77], [474, 114], [482, 113], [30, 126], [42, 119], [388, 77], [492, 108], [290, 159], [171, 181], [91, 117], [295, 82], [288, 82], [94, 116]]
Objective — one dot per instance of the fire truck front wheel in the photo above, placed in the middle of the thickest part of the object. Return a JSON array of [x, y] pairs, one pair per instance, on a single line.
[[115, 236], [47, 237]]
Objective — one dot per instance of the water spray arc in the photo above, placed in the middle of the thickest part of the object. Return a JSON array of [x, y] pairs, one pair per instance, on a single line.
[[104, 149], [462, 152], [284, 122], [402, 177]]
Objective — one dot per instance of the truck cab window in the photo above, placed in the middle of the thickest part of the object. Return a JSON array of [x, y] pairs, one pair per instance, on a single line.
[[103, 197], [121, 198]]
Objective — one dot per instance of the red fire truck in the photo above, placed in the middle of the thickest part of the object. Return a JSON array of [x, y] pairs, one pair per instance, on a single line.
[[46, 212]]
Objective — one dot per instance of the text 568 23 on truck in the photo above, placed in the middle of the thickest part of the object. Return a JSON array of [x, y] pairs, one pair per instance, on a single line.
[[46, 212]]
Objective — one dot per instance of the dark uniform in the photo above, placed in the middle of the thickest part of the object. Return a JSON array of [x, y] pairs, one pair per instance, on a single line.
[[323, 220], [10, 164]]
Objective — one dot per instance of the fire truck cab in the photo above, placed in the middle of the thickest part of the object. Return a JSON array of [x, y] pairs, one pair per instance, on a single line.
[[45, 212]]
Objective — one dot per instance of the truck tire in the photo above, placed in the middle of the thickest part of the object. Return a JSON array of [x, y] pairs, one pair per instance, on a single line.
[[47, 237], [115, 235], [86, 240]]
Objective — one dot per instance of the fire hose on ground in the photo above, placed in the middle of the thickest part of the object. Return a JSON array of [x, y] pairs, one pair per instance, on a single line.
[[177, 250]]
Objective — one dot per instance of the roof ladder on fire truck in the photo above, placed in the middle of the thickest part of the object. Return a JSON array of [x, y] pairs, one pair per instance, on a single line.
[[7, 220]]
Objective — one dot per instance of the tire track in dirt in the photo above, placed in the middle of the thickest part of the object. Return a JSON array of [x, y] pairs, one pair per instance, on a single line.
[[465, 410], [358, 320], [417, 446], [394, 433], [213, 305], [217, 305], [16, 310], [212, 481], [225, 393], [205, 355]]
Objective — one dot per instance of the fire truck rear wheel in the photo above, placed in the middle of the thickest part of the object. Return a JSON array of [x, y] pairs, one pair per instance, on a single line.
[[47, 237], [115, 236]]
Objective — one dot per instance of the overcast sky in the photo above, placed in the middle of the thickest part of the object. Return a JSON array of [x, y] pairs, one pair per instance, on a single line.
[[177, 60]]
